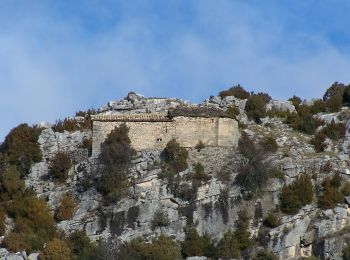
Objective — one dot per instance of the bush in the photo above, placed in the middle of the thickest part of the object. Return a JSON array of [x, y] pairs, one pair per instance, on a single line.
[[160, 219], [56, 250], [318, 106], [330, 198], [296, 101], [254, 173], [272, 220], [256, 107], [175, 156], [20, 147], [331, 195], [268, 144], [160, 248], [116, 153], [334, 131], [11, 183], [237, 91], [346, 189], [116, 150], [241, 233], [16, 242], [336, 89], [265, 255], [59, 166], [2, 221], [334, 104], [199, 146], [296, 195], [228, 246], [80, 245], [198, 176], [196, 245], [319, 142], [346, 253], [232, 112], [66, 208], [87, 144], [32, 217]]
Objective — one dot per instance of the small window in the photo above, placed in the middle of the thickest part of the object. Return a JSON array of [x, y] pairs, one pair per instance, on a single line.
[[212, 120], [159, 139]]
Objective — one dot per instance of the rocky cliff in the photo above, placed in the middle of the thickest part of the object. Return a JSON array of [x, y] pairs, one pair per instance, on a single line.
[[313, 230]]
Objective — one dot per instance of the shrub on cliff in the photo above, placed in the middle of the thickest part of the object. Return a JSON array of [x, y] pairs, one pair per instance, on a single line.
[[331, 194], [161, 248], [196, 245], [237, 91], [20, 147], [242, 233], [175, 156], [296, 195], [59, 166], [268, 144], [80, 245], [232, 112], [256, 107], [116, 150], [33, 220], [56, 249], [116, 153], [272, 220], [66, 208], [160, 219], [11, 183], [265, 255], [228, 246], [334, 131], [318, 141], [336, 89]]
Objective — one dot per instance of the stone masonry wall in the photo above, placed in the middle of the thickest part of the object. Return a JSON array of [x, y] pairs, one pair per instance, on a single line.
[[187, 131]]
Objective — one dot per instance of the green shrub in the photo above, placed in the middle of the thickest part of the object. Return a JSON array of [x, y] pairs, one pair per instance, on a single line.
[[20, 147], [334, 131], [296, 101], [160, 219], [330, 198], [175, 156], [318, 106], [331, 194], [254, 173], [319, 142], [32, 217], [56, 250], [272, 220], [87, 144], [160, 248], [334, 104], [16, 242], [241, 233], [198, 176], [265, 255], [2, 221], [296, 195], [236, 91], [199, 146], [80, 245], [186, 192], [228, 246], [222, 204], [336, 89], [116, 153], [66, 124], [66, 208], [256, 107], [346, 253], [232, 112], [11, 183], [196, 245], [116, 149], [59, 166], [346, 189], [268, 144]]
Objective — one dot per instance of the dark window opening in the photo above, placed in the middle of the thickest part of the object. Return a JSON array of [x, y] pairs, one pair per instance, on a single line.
[[159, 139]]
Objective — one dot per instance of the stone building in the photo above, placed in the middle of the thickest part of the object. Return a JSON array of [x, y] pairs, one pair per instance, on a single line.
[[152, 131]]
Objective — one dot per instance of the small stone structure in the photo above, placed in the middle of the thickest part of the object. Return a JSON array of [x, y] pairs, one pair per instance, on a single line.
[[154, 130]]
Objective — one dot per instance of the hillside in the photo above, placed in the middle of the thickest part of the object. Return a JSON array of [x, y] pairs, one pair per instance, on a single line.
[[282, 191]]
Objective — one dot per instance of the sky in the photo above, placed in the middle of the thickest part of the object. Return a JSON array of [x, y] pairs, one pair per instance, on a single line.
[[58, 57]]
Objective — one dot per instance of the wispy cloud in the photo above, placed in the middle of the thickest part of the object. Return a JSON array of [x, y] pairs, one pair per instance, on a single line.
[[57, 57]]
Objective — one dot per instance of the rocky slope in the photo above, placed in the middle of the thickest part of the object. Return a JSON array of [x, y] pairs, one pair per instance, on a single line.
[[311, 231]]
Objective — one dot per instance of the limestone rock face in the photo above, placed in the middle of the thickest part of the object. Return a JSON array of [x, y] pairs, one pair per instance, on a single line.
[[312, 231]]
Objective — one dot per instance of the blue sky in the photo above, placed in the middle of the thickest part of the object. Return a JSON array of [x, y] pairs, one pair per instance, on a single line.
[[57, 57]]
